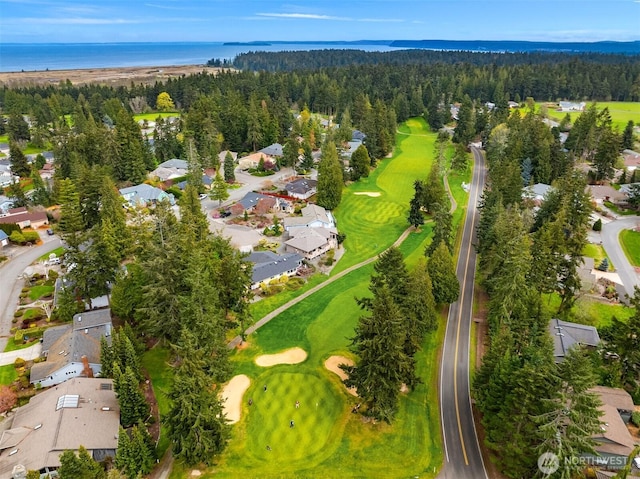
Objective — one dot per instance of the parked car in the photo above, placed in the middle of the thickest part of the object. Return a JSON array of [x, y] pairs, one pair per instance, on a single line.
[[202, 196], [50, 232]]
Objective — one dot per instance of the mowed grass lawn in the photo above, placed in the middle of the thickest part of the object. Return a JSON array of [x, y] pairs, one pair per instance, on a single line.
[[328, 440], [372, 224], [621, 112], [154, 116], [630, 241]]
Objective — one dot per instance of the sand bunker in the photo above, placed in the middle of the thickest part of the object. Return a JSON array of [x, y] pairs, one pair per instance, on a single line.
[[232, 396], [290, 356], [333, 365], [373, 194]]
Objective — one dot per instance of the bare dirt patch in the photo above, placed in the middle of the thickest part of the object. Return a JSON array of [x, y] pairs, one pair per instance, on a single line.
[[333, 364], [232, 393], [373, 194], [290, 356], [109, 76]]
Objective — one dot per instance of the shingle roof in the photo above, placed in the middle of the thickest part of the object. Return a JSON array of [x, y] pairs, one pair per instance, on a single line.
[[272, 150], [614, 433], [566, 335], [251, 199], [301, 186], [308, 239], [174, 163], [142, 192], [269, 265], [3, 235], [93, 424], [616, 397]]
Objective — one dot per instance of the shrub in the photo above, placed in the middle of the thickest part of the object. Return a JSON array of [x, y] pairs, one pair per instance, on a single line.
[[597, 226], [8, 398], [19, 363], [635, 418], [18, 313], [17, 237], [31, 236]]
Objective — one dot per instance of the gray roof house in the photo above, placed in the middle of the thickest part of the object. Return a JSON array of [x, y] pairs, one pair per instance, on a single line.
[[272, 150], [312, 242], [170, 169], [143, 195], [313, 216], [175, 163], [357, 135], [302, 188], [566, 335], [80, 412], [536, 192], [268, 266], [73, 350]]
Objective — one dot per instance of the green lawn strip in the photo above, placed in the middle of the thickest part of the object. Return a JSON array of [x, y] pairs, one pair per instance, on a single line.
[[621, 112], [31, 313], [588, 310], [372, 224], [58, 252], [154, 116], [630, 241], [155, 361], [37, 292], [618, 210], [4, 138], [8, 374], [13, 346], [597, 252]]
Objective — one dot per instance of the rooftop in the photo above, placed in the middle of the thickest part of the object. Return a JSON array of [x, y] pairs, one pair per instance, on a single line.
[[566, 335]]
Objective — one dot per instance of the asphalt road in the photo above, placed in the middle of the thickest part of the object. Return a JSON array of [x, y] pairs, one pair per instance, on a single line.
[[610, 241], [462, 452], [11, 284]]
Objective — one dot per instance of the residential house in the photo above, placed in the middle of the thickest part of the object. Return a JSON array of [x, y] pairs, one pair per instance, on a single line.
[[6, 175], [618, 398], [513, 104], [313, 216], [311, 243], [274, 150], [206, 181], [250, 202], [357, 135], [24, 218], [567, 335], [631, 160], [4, 239], [252, 161], [536, 193], [73, 350], [302, 188], [170, 169], [571, 106], [5, 204], [223, 154], [268, 266], [62, 282], [626, 189], [350, 148], [48, 156], [145, 195], [47, 171], [602, 193], [80, 412]]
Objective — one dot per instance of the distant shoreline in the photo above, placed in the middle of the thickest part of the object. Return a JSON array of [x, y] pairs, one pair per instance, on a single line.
[[114, 76]]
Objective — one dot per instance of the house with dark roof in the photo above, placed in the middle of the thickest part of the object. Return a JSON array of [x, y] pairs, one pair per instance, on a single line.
[[24, 218], [79, 412], [206, 181], [5, 204], [145, 195], [357, 135], [170, 169], [250, 201], [73, 350], [567, 335], [272, 150], [302, 188], [268, 266]]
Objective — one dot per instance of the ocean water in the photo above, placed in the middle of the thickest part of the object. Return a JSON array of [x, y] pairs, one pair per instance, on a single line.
[[64, 56]]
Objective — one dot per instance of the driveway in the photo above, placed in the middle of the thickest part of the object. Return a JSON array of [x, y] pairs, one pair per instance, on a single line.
[[611, 242], [28, 354], [11, 281]]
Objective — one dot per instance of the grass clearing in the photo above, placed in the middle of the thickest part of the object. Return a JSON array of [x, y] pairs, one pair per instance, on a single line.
[[630, 241], [37, 292], [327, 440], [8, 374], [58, 252], [154, 116], [589, 310], [621, 112], [597, 252], [156, 362]]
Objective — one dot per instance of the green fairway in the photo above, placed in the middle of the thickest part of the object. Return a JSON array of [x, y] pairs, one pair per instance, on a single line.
[[373, 223], [630, 241], [154, 116], [327, 439], [621, 112]]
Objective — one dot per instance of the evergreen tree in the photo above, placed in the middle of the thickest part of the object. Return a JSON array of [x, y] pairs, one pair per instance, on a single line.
[[360, 163], [80, 466], [460, 158], [416, 217], [382, 362], [41, 193], [71, 223], [196, 423], [628, 140], [330, 178], [229, 168], [442, 231], [17, 195], [133, 407], [465, 129], [193, 222], [606, 154], [131, 165], [441, 268], [433, 192], [18, 128], [19, 164], [219, 189]]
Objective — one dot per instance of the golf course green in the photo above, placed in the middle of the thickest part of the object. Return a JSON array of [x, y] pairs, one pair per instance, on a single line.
[[327, 439]]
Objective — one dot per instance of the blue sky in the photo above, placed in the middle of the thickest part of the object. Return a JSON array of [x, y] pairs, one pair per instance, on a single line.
[[78, 21]]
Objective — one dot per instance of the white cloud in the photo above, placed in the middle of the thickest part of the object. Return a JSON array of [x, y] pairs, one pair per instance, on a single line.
[[303, 16]]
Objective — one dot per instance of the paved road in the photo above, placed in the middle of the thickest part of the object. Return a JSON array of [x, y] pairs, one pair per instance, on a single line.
[[462, 452], [10, 285], [611, 242]]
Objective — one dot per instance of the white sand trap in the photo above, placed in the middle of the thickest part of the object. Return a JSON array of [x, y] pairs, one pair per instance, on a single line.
[[290, 356], [373, 194], [232, 396], [333, 364]]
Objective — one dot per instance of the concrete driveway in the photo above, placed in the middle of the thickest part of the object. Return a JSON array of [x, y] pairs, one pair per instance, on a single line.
[[11, 281]]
